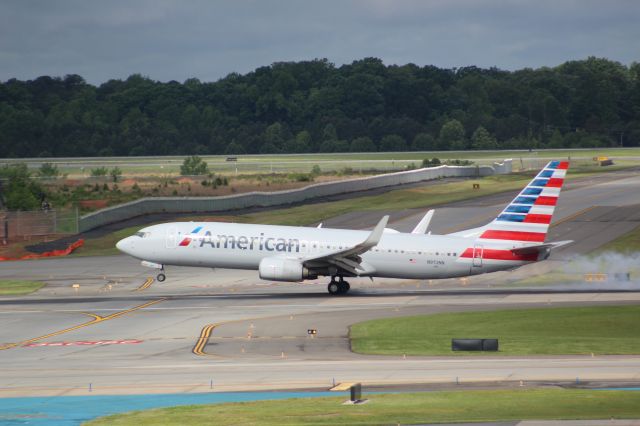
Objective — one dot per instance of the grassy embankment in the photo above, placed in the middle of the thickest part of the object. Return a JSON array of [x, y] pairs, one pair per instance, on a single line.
[[18, 287], [626, 245], [421, 197], [552, 331], [404, 408]]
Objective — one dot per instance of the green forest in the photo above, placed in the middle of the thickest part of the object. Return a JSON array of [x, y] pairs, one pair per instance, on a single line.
[[314, 106]]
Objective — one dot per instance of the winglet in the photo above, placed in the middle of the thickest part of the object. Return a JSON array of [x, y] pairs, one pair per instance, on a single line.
[[376, 234], [423, 225]]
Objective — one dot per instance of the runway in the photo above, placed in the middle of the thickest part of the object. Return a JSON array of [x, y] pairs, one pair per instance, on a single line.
[[116, 332], [259, 342]]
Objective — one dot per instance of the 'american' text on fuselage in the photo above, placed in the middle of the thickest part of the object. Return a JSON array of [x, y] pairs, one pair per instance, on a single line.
[[250, 243]]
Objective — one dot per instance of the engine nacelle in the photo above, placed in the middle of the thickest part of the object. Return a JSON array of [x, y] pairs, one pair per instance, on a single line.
[[279, 269]]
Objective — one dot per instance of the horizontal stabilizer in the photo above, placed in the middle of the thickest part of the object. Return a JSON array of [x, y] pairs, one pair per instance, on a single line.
[[539, 248]]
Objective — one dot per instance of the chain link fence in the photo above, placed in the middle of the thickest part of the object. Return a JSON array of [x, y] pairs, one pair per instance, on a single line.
[[25, 224]]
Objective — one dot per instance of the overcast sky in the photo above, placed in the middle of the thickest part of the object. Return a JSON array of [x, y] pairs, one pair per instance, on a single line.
[[178, 39]]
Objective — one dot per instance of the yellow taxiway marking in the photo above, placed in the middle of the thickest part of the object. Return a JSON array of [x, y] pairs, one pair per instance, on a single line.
[[205, 334], [342, 387], [203, 339], [96, 319], [573, 216], [145, 285]]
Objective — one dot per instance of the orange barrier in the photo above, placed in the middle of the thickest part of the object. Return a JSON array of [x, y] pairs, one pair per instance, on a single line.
[[52, 253]]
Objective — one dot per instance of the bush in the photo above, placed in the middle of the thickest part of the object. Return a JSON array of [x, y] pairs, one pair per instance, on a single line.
[[99, 171], [48, 170], [459, 162], [115, 173], [194, 166], [301, 177], [434, 162]]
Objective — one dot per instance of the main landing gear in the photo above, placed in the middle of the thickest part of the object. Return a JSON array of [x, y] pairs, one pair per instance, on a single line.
[[338, 287]]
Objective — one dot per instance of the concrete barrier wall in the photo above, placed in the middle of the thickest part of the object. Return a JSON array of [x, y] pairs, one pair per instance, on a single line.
[[266, 199]]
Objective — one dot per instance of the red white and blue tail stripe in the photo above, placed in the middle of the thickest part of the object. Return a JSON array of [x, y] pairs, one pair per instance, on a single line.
[[526, 219]]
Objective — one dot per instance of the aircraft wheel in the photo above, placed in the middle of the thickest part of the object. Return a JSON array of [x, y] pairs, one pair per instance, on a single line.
[[345, 287], [334, 288], [161, 277]]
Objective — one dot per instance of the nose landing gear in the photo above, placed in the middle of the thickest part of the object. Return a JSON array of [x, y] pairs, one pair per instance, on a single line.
[[161, 276], [338, 287]]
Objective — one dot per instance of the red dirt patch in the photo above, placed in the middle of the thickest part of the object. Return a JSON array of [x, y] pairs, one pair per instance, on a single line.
[[93, 204]]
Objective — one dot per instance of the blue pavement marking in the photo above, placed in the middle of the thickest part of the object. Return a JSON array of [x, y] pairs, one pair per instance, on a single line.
[[73, 410]]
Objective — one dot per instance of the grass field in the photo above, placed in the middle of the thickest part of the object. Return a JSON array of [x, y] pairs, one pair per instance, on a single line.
[[18, 287], [629, 243], [131, 166], [405, 408], [552, 331], [421, 197]]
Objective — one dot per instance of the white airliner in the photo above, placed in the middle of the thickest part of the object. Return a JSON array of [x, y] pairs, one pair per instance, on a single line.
[[286, 253]]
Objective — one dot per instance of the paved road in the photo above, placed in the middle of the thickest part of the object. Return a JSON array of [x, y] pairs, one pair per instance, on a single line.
[[163, 332], [227, 326]]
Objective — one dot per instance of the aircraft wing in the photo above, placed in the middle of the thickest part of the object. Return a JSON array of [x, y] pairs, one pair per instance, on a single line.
[[349, 258]]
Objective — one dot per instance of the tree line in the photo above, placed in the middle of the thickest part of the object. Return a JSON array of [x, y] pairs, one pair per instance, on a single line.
[[314, 106]]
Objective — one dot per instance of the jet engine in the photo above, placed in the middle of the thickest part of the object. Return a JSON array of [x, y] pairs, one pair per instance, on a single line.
[[280, 269]]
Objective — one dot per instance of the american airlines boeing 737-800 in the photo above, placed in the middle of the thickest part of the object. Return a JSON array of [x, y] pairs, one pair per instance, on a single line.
[[286, 253]]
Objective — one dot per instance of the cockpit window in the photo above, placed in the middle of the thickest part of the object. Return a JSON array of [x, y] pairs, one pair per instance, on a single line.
[[142, 234]]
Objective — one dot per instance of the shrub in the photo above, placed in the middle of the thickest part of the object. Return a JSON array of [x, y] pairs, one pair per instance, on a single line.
[[99, 171], [194, 166]]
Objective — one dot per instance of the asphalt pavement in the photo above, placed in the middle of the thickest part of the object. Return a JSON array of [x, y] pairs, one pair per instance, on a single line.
[[101, 327]]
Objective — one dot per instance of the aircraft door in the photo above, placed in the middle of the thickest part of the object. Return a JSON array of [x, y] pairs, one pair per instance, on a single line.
[[478, 251], [171, 239]]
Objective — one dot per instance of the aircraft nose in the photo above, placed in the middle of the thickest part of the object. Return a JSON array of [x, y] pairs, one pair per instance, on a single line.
[[125, 245]]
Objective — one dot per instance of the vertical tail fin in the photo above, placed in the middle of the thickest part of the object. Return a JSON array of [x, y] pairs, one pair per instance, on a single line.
[[526, 219]]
